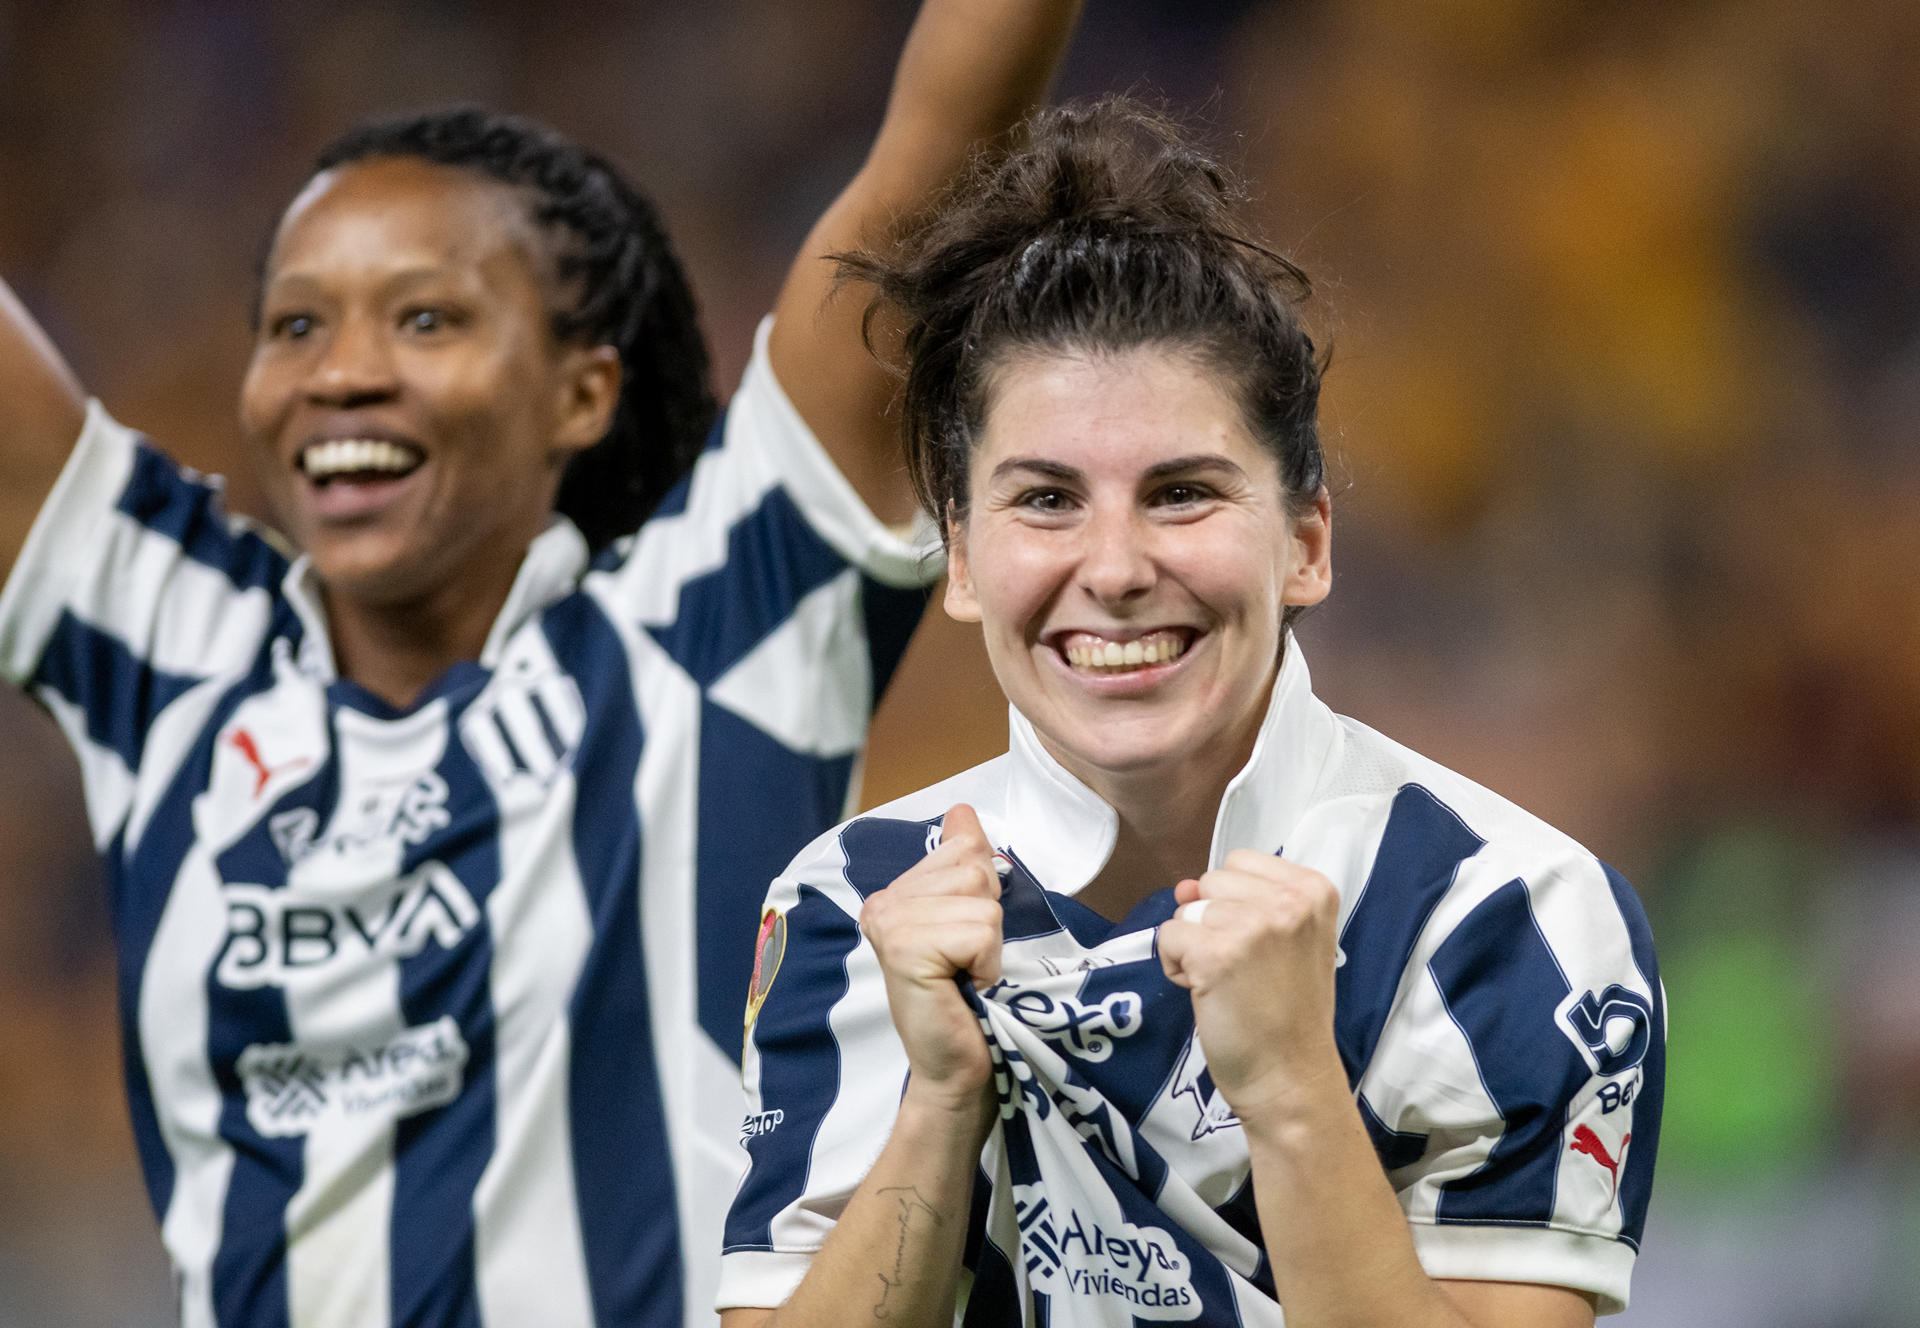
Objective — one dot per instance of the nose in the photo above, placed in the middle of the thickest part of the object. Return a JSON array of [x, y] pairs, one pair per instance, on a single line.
[[1116, 564], [354, 366]]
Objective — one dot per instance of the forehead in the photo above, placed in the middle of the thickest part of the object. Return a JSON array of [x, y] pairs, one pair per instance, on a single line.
[[1114, 412], [389, 214]]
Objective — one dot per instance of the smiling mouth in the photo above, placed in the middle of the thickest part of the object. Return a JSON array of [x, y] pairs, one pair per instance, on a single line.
[[1088, 653], [358, 460]]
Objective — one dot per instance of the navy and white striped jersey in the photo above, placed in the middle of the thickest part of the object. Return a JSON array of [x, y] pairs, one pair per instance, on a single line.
[[1497, 1009], [425, 1021]]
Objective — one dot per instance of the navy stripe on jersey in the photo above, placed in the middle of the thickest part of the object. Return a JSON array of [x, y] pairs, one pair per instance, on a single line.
[[160, 498], [621, 1150], [1420, 852], [119, 693], [250, 1268], [1636, 1178], [156, 1163], [438, 1154], [891, 616], [1396, 1148], [774, 559], [758, 798], [1503, 987], [799, 1069]]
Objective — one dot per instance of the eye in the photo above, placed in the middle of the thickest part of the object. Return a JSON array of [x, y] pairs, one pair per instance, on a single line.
[[1182, 493], [1044, 500], [426, 319], [290, 327]]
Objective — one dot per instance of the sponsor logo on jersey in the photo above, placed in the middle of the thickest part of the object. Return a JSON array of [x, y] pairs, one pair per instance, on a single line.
[[293, 1089], [406, 812], [1612, 1030], [761, 1122], [1191, 1078], [769, 948], [1586, 1142], [1136, 1270], [243, 742], [273, 935], [1088, 1031]]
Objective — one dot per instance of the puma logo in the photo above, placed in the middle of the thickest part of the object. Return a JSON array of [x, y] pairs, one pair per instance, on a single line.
[[1587, 1142], [242, 741]]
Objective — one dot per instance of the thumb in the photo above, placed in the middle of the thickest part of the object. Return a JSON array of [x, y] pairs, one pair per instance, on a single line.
[[959, 821]]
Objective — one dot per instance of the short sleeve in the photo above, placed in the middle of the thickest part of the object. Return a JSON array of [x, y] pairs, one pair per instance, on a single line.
[[823, 1071], [1515, 1095], [133, 587]]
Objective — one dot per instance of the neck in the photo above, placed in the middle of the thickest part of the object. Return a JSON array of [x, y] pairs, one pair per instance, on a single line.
[[1166, 825], [396, 650]]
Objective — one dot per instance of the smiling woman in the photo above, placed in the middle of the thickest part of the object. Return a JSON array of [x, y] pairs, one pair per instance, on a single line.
[[437, 849], [1202, 1003]]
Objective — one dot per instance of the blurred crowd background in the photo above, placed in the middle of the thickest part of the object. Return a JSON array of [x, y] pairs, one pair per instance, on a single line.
[[1623, 298]]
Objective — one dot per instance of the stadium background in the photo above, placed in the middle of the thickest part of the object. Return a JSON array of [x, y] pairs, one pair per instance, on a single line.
[[1624, 300]]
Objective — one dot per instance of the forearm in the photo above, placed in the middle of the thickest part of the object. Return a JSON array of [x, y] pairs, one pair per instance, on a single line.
[[894, 1255], [41, 408], [970, 70], [1337, 1239]]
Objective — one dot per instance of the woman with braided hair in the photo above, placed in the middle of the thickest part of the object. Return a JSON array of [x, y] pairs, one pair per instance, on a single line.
[[436, 850], [1202, 1004]]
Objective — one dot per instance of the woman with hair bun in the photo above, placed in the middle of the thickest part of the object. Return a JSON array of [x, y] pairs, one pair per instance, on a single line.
[[1202, 1003], [435, 852]]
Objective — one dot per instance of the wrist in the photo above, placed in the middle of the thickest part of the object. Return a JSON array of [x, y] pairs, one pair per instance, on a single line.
[[944, 1113], [1295, 1095]]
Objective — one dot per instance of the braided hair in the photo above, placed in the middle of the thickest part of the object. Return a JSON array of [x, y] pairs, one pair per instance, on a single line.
[[632, 295], [1102, 229]]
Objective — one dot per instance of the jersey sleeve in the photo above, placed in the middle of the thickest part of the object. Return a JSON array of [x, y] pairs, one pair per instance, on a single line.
[[133, 587], [824, 1070], [765, 581], [1515, 1094]]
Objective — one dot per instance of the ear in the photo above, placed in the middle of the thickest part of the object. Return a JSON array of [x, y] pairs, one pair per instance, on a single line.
[[1310, 577], [961, 603], [588, 391]]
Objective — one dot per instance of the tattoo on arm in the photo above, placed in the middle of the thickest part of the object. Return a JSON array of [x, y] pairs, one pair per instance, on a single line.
[[909, 1208]]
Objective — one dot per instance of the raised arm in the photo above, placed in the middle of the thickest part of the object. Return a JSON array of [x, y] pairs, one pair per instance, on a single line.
[[41, 407], [970, 70]]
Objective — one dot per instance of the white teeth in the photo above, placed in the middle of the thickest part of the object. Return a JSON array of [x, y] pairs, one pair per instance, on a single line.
[[1099, 656], [350, 456]]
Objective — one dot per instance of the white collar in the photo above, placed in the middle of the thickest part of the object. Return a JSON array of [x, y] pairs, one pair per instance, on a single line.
[[552, 567], [1064, 831]]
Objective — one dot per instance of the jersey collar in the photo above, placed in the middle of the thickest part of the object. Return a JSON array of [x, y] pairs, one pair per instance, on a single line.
[[554, 563], [1065, 832]]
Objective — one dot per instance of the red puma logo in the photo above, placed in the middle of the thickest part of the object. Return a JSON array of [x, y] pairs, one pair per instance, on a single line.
[[1586, 1141], [250, 751]]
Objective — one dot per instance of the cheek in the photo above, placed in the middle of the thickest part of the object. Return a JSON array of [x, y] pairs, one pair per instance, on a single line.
[[1015, 583]]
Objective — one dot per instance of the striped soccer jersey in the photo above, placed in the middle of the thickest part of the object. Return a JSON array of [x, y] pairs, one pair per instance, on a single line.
[[424, 1019], [1497, 1009]]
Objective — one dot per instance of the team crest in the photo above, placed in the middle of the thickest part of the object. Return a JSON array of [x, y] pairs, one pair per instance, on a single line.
[[769, 948]]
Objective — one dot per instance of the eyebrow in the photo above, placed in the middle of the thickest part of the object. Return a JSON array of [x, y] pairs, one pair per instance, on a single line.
[[1185, 465]]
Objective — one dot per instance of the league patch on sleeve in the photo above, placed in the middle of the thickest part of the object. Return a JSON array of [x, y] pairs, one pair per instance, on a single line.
[[769, 948]]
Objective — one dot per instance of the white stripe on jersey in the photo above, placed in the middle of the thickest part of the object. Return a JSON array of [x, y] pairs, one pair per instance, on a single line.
[[831, 721], [41, 584], [530, 1259]]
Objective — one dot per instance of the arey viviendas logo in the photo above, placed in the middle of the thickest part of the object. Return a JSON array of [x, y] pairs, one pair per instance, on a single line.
[[1066, 1252], [293, 1089]]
